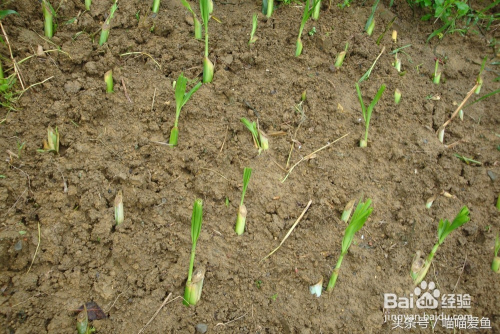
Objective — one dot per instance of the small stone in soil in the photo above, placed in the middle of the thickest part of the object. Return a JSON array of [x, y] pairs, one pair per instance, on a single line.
[[18, 246], [492, 175], [201, 328]]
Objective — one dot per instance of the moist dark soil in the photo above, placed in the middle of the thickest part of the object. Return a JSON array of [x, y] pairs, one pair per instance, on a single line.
[[60, 248]]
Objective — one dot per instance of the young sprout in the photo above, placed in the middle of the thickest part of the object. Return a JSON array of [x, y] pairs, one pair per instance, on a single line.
[[254, 28], [48, 14], [430, 201], [370, 28], [181, 97], [198, 33], [305, 16], [340, 57], [437, 75], [495, 265], [397, 63], [106, 26], [361, 214], [370, 23], [317, 288], [498, 203], [394, 36], [259, 138], [108, 79], [479, 77], [347, 211], [156, 6], [82, 322], [194, 283], [208, 66], [119, 216], [397, 96], [264, 142], [267, 7], [52, 142], [315, 13], [242, 210], [419, 266], [88, 3], [367, 112]]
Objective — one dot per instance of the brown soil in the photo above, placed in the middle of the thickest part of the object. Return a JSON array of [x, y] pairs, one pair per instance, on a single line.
[[110, 144]]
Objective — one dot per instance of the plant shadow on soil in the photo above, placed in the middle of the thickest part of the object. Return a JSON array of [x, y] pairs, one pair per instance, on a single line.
[[111, 144]]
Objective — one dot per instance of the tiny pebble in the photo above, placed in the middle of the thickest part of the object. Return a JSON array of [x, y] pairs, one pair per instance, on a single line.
[[201, 328], [492, 175]]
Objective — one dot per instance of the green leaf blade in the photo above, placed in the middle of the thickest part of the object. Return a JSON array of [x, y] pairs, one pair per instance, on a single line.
[[196, 220], [358, 219], [4, 13], [446, 228]]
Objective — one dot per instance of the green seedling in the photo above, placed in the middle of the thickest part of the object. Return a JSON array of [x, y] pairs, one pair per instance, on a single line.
[[498, 202], [52, 142], [48, 15], [259, 138], [305, 17], [208, 66], [267, 7], [347, 211], [367, 74], [397, 63], [106, 26], [340, 57], [194, 283], [253, 39], [198, 34], [82, 322], [437, 75], [359, 217], [367, 112], [119, 215], [108, 79], [156, 6], [387, 28], [312, 31], [274, 297], [420, 267], [370, 28], [370, 23], [20, 147], [495, 265], [468, 161], [479, 77], [397, 96], [242, 210], [88, 3], [181, 98], [315, 13]]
